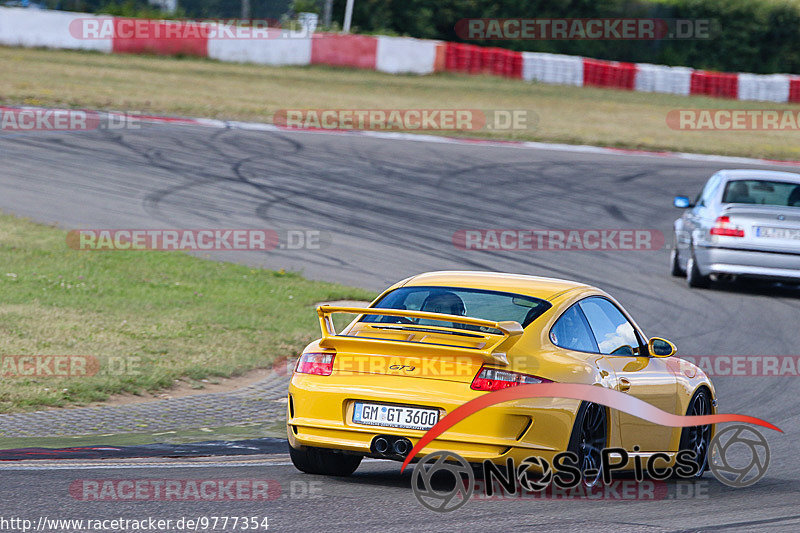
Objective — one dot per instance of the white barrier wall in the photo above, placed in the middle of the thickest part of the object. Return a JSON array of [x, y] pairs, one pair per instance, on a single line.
[[50, 29], [663, 79], [552, 68], [398, 55], [770, 88], [286, 48]]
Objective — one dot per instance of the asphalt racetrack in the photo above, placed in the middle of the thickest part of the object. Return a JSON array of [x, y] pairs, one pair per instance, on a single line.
[[390, 208]]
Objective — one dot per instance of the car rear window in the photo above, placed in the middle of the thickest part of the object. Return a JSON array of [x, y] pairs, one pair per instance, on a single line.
[[762, 192], [488, 305]]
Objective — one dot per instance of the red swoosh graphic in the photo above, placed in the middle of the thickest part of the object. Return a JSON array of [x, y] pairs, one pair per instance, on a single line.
[[588, 393]]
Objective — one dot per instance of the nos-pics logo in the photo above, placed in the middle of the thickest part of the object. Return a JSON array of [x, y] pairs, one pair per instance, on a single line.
[[443, 481]]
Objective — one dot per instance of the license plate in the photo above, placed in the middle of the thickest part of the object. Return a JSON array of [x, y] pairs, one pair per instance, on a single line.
[[777, 233], [394, 416]]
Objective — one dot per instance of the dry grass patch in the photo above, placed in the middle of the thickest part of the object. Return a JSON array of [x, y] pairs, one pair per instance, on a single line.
[[147, 318], [204, 88]]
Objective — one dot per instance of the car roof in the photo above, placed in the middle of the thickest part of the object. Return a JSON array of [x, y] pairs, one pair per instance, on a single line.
[[536, 286], [738, 174]]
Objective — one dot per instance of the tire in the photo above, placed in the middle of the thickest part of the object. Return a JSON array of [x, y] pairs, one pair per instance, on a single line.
[[589, 437], [698, 438], [693, 276], [324, 462], [675, 265]]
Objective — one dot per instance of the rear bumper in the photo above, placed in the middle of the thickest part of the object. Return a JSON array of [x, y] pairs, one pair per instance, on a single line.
[[321, 411], [748, 263]]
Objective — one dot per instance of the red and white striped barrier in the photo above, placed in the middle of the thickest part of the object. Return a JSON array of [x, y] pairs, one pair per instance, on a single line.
[[395, 55]]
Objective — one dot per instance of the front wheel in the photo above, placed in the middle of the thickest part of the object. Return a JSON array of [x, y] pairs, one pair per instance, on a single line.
[[324, 462], [675, 264], [697, 438]]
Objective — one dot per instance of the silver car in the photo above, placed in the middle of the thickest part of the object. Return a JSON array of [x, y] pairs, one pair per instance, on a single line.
[[745, 223]]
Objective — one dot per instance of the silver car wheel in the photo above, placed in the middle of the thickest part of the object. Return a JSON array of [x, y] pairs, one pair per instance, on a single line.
[[693, 276]]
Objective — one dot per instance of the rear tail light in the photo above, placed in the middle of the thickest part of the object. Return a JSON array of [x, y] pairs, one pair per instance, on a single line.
[[724, 228], [320, 364], [491, 379]]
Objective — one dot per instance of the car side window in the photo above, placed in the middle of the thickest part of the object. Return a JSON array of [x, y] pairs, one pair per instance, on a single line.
[[707, 194], [614, 334], [571, 331]]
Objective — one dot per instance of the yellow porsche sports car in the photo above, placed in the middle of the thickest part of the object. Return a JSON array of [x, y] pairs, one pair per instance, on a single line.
[[432, 342]]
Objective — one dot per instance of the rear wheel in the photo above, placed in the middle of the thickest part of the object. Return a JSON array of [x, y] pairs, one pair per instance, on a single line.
[[693, 276], [324, 462], [697, 438], [589, 437]]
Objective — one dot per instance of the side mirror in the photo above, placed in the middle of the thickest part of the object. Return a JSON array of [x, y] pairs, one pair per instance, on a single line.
[[681, 202], [659, 347]]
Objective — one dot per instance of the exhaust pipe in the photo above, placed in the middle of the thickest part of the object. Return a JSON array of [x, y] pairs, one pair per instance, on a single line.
[[381, 445], [401, 446]]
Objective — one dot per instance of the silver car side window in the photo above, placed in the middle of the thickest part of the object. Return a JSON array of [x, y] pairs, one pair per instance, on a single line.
[[707, 194]]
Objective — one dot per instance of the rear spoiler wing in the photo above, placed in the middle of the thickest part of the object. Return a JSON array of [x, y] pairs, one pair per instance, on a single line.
[[493, 350]]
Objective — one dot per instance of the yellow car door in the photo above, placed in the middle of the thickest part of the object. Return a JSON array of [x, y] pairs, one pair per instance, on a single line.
[[637, 373]]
